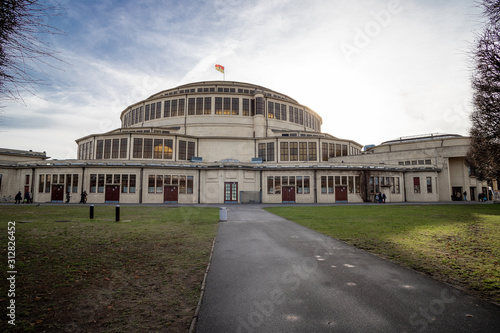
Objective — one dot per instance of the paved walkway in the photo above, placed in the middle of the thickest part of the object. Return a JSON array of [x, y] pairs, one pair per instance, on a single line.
[[271, 275]]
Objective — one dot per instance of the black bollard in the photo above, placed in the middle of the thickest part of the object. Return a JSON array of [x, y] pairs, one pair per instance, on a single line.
[[91, 212], [117, 215]]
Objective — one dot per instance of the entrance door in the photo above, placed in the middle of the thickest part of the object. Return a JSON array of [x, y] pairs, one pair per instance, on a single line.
[[288, 194], [456, 193], [231, 192], [341, 193], [472, 194], [170, 194], [57, 193], [112, 193]]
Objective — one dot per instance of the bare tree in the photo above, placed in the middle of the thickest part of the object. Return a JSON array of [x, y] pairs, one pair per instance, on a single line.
[[484, 152], [22, 49]]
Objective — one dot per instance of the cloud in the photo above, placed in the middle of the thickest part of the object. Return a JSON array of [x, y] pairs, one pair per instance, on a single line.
[[410, 78]]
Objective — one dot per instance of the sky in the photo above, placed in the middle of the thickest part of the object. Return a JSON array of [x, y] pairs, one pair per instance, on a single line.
[[374, 70]]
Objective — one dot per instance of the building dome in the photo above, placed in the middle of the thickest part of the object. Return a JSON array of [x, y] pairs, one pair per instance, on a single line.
[[221, 108]]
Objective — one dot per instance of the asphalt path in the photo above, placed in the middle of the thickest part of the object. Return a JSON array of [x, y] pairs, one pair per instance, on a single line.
[[269, 274]]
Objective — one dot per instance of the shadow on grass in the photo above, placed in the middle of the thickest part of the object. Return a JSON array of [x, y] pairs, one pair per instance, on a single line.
[[100, 275], [459, 244]]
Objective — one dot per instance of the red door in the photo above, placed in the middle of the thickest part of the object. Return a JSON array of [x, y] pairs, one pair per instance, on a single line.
[[288, 194], [230, 192], [57, 193], [170, 194], [340, 193], [112, 193]]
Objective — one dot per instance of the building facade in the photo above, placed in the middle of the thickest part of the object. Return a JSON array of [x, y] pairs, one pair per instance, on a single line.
[[232, 142]]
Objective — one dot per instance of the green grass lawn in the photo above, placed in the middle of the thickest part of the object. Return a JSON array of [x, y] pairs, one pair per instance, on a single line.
[[75, 274], [459, 244]]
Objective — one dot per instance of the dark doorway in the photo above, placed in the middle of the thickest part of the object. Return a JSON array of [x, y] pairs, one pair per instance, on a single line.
[[340, 193], [472, 194], [456, 193], [57, 193], [170, 194], [112, 193], [288, 194]]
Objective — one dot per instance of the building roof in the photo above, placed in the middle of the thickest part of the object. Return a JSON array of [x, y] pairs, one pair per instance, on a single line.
[[422, 137], [23, 153]]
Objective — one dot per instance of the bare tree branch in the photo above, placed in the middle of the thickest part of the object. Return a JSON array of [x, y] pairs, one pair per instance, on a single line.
[[23, 52], [484, 153]]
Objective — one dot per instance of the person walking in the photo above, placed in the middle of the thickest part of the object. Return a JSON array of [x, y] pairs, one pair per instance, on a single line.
[[68, 196], [465, 196], [26, 197], [18, 197]]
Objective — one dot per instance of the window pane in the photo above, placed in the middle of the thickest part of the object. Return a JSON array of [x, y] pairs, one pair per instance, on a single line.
[[270, 151], [208, 105], [137, 152], [227, 106], [246, 107], [168, 149], [99, 149], [182, 103], [75, 183], [190, 184], [116, 148], [123, 148], [191, 106], [324, 152], [182, 149], [47, 183], [93, 183], [312, 151], [100, 183], [159, 184], [307, 188], [218, 105], [262, 151], [173, 110], [132, 184], [158, 110], [270, 185], [299, 185], [41, 183], [124, 183], [182, 184], [151, 183], [148, 148], [235, 107], [270, 109], [303, 151], [199, 105], [158, 149], [191, 150], [294, 151], [166, 109], [284, 151]]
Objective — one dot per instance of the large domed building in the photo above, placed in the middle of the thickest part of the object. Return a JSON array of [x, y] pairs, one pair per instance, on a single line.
[[233, 142]]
